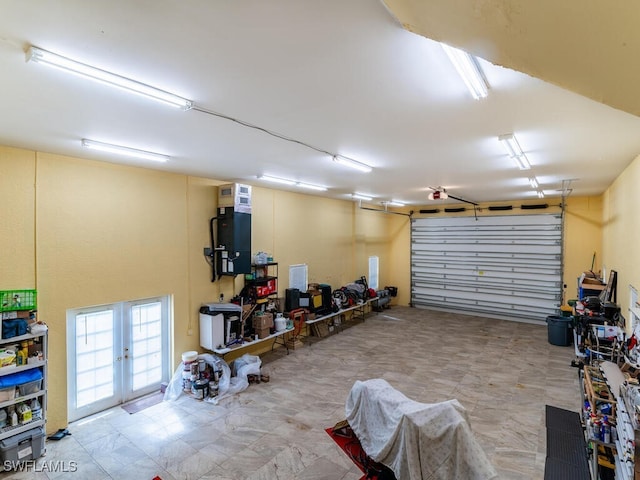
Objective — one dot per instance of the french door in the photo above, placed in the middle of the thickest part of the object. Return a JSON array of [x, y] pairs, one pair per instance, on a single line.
[[116, 353]]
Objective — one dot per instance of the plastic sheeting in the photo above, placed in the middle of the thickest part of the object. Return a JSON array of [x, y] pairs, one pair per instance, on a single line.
[[228, 385], [415, 440]]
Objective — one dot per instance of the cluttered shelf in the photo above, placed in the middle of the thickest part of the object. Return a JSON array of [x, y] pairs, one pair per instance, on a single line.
[[608, 356], [257, 315], [278, 337]]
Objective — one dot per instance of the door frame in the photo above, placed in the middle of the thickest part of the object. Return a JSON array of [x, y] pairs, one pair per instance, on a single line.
[[123, 390]]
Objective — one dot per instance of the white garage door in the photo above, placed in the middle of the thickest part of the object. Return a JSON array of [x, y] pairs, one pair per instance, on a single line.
[[501, 266]]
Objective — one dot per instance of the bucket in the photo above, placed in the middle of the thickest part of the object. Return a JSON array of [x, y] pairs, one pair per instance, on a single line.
[[190, 356], [559, 330], [200, 389]]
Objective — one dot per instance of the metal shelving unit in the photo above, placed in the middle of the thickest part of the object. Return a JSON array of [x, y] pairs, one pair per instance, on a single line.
[[40, 338]]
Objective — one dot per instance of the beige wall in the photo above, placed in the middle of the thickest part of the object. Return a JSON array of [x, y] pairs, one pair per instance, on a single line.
[[582, 240], [17, 228], [621, 231], [88, 233]]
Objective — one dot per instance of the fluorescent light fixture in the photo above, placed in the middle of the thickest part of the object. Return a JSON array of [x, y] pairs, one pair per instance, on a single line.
[[523, 162], [513, 149], [37, 55], [126, 151], [534, 183], [511, 145], [282, 181], [468, 68], [293, 183], [395, 203], [348, 162], [540, 194], [359, 196], [311, 187]]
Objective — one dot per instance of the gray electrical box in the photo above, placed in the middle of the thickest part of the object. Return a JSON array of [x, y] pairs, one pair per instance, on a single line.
[[235, 195]]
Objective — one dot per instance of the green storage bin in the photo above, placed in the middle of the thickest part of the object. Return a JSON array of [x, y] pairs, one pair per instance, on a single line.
[[11, 300]]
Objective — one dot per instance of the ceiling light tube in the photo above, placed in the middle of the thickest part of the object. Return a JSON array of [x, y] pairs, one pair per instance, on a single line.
[[468, 69], [359, 196], [511, 145], [293, 183], [37, 55], [395, 203], [283, 181], [126, 151], [523, 162], [348, 162], [540, 194], [534, 183], [311, 187]]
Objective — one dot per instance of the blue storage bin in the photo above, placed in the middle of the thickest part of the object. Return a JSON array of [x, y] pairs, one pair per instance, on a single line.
[[15, 379]]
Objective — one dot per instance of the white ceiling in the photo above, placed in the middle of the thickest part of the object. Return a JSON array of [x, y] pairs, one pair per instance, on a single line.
[[342, 76]]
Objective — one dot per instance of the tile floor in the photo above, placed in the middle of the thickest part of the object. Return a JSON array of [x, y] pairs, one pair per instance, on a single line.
[[502, 372]]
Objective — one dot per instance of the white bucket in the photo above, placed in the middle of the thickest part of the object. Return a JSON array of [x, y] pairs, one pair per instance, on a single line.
[[190, 356]]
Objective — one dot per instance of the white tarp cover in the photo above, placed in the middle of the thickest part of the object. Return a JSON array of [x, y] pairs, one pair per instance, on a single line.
[[415, 440], [228, 385]]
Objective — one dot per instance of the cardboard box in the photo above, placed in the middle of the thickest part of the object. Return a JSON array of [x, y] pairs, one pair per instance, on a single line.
[[263, 321], [16, 314], [262, 332]]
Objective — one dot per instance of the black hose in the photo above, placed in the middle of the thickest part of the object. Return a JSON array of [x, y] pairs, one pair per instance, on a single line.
[[213, 249]]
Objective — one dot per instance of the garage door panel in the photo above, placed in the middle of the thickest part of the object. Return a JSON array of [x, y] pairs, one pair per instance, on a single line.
[[487, 297], [529, 313], [524, 246], [505, 264], [525, 273], [494, 288]]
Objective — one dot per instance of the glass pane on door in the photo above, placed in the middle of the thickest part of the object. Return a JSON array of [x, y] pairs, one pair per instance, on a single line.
[[146, 345], [94, 357]]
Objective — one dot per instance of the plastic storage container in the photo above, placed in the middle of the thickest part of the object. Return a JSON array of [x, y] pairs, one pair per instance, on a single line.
[[24, 446], [7, 393], [18, 300], [29, 387], [559, 330]]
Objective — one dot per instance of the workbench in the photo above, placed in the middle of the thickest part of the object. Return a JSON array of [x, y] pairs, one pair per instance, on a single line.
[[358, 312], [277, 337]]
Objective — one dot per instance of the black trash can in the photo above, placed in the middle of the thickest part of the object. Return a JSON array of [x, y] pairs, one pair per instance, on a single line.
[[560, 330]]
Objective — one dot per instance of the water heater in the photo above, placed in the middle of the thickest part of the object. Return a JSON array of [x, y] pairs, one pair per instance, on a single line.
[[232, 246]]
